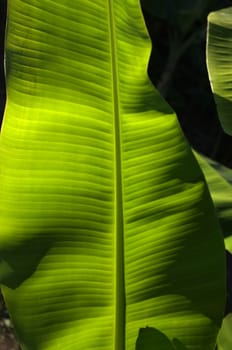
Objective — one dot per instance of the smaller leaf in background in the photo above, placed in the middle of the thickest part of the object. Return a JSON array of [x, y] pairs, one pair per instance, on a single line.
[[225, 334], [219, 56], [219, 179]]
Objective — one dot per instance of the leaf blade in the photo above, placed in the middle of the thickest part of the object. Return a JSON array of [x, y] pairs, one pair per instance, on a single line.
[[59, 188]]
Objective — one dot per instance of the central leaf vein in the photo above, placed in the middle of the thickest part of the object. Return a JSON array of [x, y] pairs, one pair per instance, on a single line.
[[119, 326]]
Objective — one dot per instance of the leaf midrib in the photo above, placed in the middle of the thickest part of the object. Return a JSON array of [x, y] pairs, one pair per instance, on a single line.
[[119, 322]]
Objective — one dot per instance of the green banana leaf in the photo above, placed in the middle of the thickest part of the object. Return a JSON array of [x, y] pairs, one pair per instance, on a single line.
[[219, 56], [106, 223]]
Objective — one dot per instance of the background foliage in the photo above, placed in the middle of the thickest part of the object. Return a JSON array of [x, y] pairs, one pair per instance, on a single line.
[[178, 69]]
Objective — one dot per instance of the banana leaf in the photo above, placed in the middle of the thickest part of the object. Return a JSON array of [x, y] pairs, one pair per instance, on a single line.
[[219, 55], [106, 222]]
